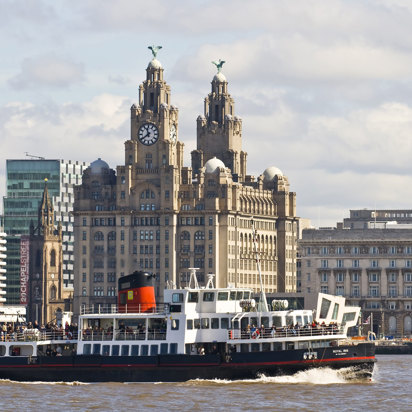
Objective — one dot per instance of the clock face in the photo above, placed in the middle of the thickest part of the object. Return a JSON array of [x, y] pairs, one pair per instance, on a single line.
[[173, 133], [148, 134]]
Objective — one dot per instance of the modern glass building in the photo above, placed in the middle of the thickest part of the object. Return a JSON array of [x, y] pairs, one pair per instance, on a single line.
[[25, 185]]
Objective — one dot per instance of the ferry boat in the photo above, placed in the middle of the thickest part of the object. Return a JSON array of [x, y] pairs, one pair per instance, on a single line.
[[197, 333]]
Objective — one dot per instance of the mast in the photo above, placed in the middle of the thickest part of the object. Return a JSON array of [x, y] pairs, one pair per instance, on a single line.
[[263, 304]]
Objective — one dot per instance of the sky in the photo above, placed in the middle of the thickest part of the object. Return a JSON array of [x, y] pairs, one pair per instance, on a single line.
[[324, 88]]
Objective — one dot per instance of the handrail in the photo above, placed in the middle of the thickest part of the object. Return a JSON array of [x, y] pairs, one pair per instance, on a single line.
[[284, 333], [121, 334], [143, 308], [30, 335]]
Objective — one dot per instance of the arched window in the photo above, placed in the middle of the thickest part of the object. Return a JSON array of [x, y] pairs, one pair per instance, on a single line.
[[407, 325], [111, 235], [53, 292], [53, 258], [99, 236], [38, 258], [392, 324], [84, 292], [185, 235]]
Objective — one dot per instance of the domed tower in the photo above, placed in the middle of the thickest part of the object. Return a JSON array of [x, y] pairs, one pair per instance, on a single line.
[[219, 131]]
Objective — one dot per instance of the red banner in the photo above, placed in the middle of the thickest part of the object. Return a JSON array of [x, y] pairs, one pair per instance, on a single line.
[[24, 269]]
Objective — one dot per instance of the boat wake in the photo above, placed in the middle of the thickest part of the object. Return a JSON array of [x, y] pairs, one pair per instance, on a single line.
[[319, 376]]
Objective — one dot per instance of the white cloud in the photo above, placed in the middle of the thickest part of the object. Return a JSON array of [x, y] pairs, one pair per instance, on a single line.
[[47, 71]]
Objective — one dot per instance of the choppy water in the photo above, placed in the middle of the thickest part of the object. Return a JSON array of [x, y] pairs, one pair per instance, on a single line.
[[315, 390]]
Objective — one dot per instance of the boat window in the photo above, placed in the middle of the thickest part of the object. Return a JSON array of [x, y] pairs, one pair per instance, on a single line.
[[305, 319], [205, 323], [348, 317], [106, 350], [96, 349], [235, 324], [193, 297], [232, 295], [215, 323], [87, 349], [122, 298], [254, 321], [173, 348], [125, 350], [175, 324], [246, 295], [154, 350], [244, 347], [239, 295], [299, 320], [277, 321], [208, 296], [290, 345], [277, 345], [163, 348], [303, 345], [115, 350], [144, 350], [265, 347], [335, 311], [243, 323], [265, 321], [197, 323], [177, 297], [324, 308], [254, 347], [222, 295], [289, 321], [189, 324], [135, 350], [224, 323]]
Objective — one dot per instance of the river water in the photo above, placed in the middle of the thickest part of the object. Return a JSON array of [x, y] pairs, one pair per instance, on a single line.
[[317, 390]]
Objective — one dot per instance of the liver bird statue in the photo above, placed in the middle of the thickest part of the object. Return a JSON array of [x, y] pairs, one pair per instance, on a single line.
[[219, 64], [155, 50]]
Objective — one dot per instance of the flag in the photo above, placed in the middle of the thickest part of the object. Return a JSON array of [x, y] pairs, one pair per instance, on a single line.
[[367, 320]]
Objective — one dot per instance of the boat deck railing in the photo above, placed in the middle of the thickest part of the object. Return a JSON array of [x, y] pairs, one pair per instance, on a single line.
[[268, 333], [31, 335], [143, 308], [119, 334]]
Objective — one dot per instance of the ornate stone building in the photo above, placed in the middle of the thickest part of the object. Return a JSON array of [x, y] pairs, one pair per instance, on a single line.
[[46, 296], [371, 267], [155, 214]]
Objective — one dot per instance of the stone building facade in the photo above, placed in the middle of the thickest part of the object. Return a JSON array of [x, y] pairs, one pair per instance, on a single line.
[[155, 214], [372, 268]]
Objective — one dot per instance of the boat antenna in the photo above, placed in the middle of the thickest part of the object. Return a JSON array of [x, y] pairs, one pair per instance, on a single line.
[[263, 304], [193, 279]]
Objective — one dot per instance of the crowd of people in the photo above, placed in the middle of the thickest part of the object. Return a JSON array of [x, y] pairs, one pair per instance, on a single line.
[[297, 329], [12, 332]]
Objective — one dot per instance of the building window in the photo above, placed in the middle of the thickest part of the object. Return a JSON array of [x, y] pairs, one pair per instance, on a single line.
[[392, 263], [340, 277], [122, 235], [324, 277], [84, 235], [166, 235], [111, 291], [408, 277], [199, 235], [408, 291], [373, 277], [99, 236], [355, 250], [84, 221], [83, 277], [122, 221], [355, 263], [340, 290], [324, 289], [374, 264], [167, 194], [339, 250], [111, 236], [84, 292], [374, 290], [374, 250], [324, 250], [323, 263], [210, 234], [339, 263], [355, 277], [98, 277], [166, 221], [111, 277], [355, 290], [393, 291]]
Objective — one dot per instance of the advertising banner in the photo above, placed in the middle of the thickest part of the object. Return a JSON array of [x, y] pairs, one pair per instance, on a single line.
[[24, 269]]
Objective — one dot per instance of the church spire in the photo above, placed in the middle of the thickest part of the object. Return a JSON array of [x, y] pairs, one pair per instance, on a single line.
[[46, 212]]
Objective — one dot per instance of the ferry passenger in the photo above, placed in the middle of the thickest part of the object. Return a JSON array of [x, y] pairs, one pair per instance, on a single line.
[[273, 332]]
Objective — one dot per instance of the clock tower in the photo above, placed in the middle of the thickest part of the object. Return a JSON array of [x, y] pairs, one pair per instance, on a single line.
[[219, 130]]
